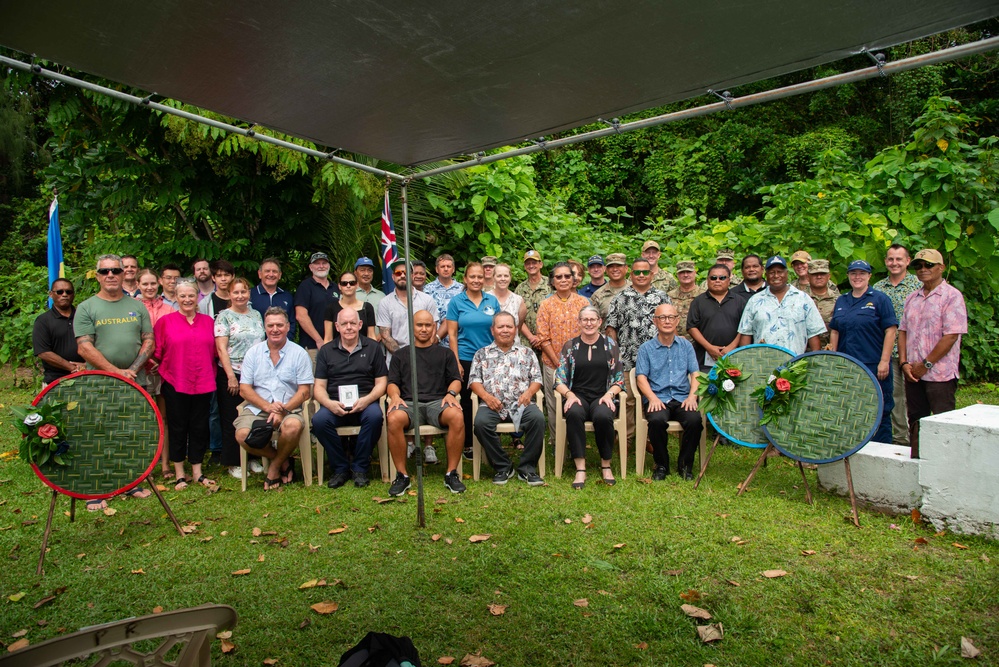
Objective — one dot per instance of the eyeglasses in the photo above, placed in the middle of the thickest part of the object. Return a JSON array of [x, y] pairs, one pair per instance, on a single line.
[[641, 272], [666, 318], [63, 292], [563, 276], [922, 265], [589, 320], [400, 272], [717, 277], [347, 283], [104, 272]]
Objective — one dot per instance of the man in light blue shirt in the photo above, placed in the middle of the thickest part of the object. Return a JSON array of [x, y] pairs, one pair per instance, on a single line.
[[665, 372], [781, 314], [275, 381]]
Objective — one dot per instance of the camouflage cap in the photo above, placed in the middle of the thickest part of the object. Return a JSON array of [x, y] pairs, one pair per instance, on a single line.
[[685, 265], [617, 258], [725, 253], [818, 266], [489, 260]]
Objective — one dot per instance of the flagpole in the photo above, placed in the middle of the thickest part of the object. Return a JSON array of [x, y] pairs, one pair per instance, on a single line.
[[421, 519]]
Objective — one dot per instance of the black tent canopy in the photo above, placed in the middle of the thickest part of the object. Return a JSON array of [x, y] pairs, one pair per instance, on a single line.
[[410, 82]]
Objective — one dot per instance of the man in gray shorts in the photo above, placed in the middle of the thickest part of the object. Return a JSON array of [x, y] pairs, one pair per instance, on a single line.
[[439, 382], [275, 381]]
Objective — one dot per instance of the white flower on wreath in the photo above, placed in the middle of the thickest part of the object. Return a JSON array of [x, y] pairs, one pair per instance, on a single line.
[[728, 385], [32, 419], [771, 378]]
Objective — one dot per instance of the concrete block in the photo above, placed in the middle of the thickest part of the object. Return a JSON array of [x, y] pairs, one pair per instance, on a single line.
[[883, 476], [959, 470]]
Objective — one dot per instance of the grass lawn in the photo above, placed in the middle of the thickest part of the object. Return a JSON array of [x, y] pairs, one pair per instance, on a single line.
[[868, 596]]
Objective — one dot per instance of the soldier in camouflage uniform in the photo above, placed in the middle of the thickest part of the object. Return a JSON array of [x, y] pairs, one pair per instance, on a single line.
[[725, 257], [822, 295], [533, 291], [662, 279], [617, 280], [799, 263], [686, 274]]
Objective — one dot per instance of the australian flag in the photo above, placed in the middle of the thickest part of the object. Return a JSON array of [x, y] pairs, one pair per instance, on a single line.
[[390, 252]]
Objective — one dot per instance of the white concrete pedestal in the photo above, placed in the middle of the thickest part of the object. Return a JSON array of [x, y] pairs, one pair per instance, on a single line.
[[883, 475], [959, 470]]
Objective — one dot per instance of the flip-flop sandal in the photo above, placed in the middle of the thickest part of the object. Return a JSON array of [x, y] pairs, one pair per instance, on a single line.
[[272, 484], [168, 474], [289, 471], [96, 505], [517, 443], [204, 481], [181, 484], [139, 492]]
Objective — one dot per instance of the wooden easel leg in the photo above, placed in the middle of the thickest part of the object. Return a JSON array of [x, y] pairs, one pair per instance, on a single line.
[[169, 511], [760, 461], [45, 535], [853, 497], [808, 492], [707, 460], [72, 509]]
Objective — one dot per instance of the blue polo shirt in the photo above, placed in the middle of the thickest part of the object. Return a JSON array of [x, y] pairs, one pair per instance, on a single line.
[[260, 300], [312, 296], [588, 289], [667, 368], [861, 323], [474, 323]]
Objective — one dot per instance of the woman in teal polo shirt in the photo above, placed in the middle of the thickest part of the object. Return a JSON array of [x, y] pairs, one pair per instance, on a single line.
[[469, 329]]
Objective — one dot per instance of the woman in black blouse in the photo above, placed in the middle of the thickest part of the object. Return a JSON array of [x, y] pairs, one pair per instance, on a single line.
[[348, 299]]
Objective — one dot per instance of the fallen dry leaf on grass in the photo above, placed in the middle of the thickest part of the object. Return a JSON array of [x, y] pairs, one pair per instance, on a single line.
[[476, 660], [917, 517], [373, 528], [620, 545], [157, 609], [691, 595], [445, 660], [773, 574], [921, 540], [458, 519], [959, 546], [382, 501], [478, 538], [225, 634], [498, 609], [260, 558], [568, 521], [228, 646], [808, 552], [110, 511], [968, 650], [581, 602], [673, 573], [449, 540], [603, 592], [19, 633], [18, 645], [436, 536], [733, 583], [587, 518], [189, 529], [139, 571], [985, 559], [641, 646], [311, 583], [695, 612], [710, 633], [16, 597], [239, 573], [325, 607], [256, 532], [270, 661], [337, 531]]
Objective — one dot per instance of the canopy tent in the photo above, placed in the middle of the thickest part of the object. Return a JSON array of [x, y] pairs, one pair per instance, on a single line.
[[411, 82]]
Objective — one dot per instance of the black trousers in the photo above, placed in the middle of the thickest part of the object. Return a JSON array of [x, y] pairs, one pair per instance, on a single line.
[[187, 423], [228, 411], [923, 399], [692, 425], [603, 427], [466, 401]]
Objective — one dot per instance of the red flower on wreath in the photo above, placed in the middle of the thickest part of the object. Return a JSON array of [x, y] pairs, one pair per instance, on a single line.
[[734, 372], [782, 384], [48, 431]]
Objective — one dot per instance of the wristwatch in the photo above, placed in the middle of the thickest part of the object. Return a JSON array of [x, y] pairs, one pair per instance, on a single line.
[[927, 364], [452, 392]]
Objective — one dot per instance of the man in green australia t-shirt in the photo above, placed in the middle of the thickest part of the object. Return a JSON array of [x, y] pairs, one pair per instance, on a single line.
[[113, 330]]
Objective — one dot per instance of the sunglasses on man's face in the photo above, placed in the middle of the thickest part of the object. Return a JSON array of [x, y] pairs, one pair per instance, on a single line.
[[564, 276], [63, 292], [922, 265], [400, 272], [347, 283], [641, 272], [717, 277], [104, 272]]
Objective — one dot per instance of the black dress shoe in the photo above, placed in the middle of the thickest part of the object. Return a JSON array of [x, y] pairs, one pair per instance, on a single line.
[[660, 473], [360, 479], [686, 474], [338, 480]]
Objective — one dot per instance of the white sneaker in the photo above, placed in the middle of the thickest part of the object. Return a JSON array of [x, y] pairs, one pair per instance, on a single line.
[[410, 449], [236, 471], [256, 467], [430, 455]]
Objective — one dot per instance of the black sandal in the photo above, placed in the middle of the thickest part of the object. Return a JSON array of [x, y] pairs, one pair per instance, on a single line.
[[289, 471], [579, 485], [611, 481], [272, 484]]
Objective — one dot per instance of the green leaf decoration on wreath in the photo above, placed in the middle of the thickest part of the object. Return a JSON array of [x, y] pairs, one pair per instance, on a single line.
[[43, 436], [716, 386], [777, 395]]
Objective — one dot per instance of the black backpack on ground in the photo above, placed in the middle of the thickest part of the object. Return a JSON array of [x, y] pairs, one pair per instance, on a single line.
[[378, 649]]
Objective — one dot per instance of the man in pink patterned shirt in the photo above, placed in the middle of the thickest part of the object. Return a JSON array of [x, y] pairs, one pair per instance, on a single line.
[[929, 343]]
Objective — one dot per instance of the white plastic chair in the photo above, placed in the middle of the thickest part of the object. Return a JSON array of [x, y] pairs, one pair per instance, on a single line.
[[502, 427]]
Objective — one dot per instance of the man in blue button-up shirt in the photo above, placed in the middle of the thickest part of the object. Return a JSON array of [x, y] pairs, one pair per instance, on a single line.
[[665, 373]]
